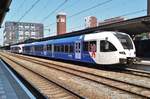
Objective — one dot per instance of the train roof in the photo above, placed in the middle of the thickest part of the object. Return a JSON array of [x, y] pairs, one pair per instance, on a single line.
[[70, 38], [71, 34], [62, 40]]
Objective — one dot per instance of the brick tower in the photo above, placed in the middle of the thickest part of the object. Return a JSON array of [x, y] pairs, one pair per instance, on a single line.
[[61, 23], [90, 21]]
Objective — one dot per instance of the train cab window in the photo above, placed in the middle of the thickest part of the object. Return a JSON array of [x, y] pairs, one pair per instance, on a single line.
[[18, 48], [125, 41], [106, 46]]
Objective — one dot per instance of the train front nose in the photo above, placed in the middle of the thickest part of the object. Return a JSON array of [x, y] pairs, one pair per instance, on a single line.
[[130, 53], [131, 56]]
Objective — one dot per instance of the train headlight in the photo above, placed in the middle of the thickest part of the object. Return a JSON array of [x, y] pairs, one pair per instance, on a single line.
[[122, 53]]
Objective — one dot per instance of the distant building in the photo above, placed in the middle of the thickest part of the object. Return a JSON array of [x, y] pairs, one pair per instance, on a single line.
[[111, 20], [90, 21], [61, 23], [15, 32]]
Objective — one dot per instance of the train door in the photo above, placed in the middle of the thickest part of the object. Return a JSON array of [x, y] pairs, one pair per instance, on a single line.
[[52, 50], [45, 49], [78, 50]]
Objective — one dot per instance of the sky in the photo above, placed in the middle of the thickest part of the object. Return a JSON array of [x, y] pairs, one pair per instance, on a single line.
[[43, 8]]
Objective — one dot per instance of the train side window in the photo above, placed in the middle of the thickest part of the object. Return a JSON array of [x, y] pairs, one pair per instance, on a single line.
[[22, 49], [36, 48], [32, 48], [93, 46], [75, 45], [62, 48], [58, 48], [49, 47], [66, 48], [55, 48], [106, 46], [71, 49], [44, 48], [40, 47], [85, 46], [27, 49], [89, 46], [79, 45]]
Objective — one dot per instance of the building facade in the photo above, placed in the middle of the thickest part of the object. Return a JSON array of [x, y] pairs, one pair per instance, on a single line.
[[16, 32], [90, 21]]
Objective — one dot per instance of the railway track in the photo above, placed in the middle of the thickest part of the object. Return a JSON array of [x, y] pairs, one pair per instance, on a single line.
[[137, 72], [138, 90], [49, 88]]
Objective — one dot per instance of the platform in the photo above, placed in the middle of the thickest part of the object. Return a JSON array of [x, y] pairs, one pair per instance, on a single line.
[[10, 86], [144, 61]]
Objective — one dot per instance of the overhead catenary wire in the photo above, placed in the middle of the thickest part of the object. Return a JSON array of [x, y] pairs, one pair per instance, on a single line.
[[32, 6], [127, 14], [59, 6], [132, 13], [72, 4], [85, 10], [45, 6], [100, 4], [23, 2], [18, 8], [95, 6]]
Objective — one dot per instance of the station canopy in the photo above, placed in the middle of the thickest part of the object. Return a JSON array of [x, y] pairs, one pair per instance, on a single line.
[[4, 7], [131, 26]]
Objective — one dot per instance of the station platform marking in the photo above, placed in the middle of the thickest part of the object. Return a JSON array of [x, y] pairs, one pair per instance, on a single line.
[[5, 87], [145, 61]]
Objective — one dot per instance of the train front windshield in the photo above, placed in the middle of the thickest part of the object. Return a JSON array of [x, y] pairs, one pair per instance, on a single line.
[[125, 40]]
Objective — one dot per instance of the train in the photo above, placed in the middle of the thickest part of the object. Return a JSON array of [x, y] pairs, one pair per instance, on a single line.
[[104, 48]]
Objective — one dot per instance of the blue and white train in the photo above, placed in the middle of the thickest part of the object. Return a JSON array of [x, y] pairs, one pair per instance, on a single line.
[[103, 48]]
